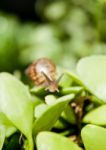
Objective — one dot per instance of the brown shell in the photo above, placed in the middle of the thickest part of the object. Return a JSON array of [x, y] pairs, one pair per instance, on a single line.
[[36, 69]]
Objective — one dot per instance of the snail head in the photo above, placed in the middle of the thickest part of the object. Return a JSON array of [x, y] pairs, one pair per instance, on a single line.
[[52, 85]]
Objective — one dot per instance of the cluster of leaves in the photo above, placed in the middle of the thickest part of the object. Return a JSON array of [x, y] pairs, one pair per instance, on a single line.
[[36, 119], [68, 30], [73, 118]]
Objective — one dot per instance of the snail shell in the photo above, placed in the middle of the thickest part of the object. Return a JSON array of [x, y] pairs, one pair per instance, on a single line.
[[43, 72]]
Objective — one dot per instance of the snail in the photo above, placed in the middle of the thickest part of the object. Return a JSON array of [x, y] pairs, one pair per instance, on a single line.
[[43, 72]]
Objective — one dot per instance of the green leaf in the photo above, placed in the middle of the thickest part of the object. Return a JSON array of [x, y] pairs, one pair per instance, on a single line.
[[16, 104], [48, 118], [65, 80], [2, 136], [37, 89], [53, 141], [61, 124], [96, 116], [50, 99], [92, 72], [94, 137], [69, 115], [39, 110], [36, 100], [10, 129], [74, 77], [75, 90]]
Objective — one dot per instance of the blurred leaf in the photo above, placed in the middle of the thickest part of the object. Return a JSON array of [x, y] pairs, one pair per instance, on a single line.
[[8, 45], [69, 115], [96, 116], [40, 109], [46, 121], [92, 72], [16, 104], [37, 89], [73, 89], [38, 46], [9, 128], [65, 81], [74, 77], [51, 12], [53, 141], [94, 137], [50, 99], [2, 136], [61, 124]]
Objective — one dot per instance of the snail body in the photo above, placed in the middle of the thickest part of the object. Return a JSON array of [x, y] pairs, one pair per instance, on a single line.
[[43, 72]]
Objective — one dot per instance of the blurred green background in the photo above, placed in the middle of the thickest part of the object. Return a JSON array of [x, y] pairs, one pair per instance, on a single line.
[[63, 30]]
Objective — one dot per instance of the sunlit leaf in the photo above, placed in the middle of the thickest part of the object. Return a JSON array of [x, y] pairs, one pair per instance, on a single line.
[[16, 104], [96, 116], [9, 127], [92, 72], [75, 90], [94, 137], [53, 141], [74, 77], [48, 118], [2, 136]]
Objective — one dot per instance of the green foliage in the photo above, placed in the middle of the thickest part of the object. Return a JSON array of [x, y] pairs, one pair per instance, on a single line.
[[33, 115], [93, 137], [32, 118], [2, 136], [91, 71], [16, 104], [8, 42], [53, 141], [96, 116], [46, 121], [75, 30], [9, 127]]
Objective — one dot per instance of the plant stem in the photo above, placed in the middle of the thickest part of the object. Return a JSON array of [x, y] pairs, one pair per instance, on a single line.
[[30, 144]]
